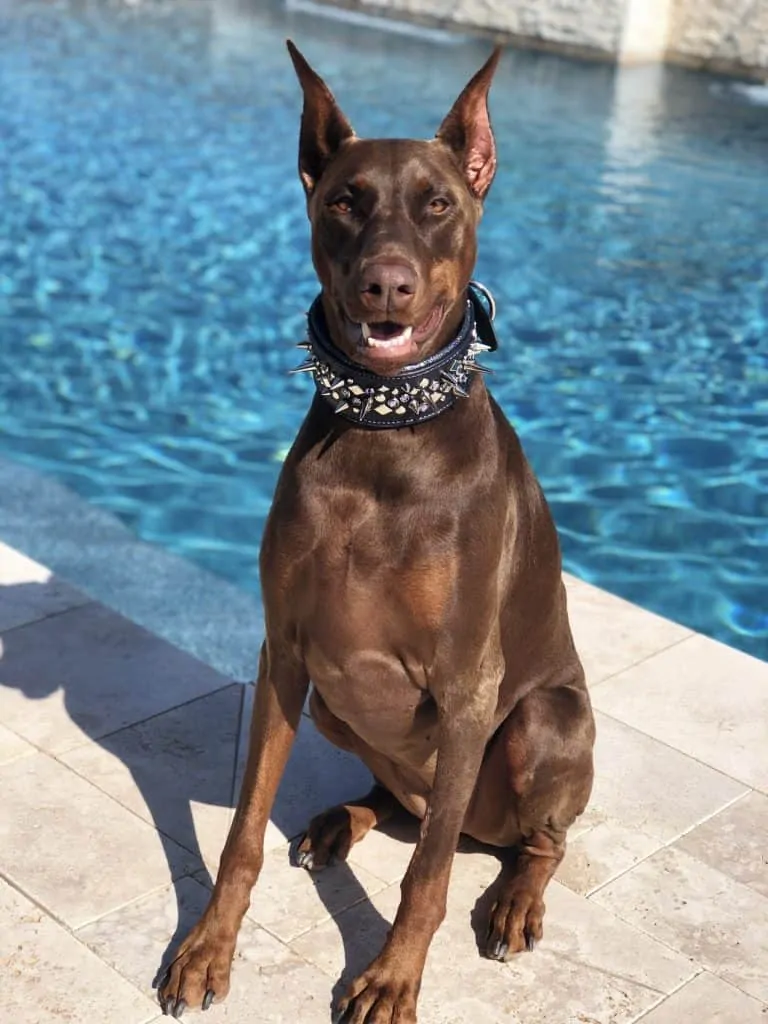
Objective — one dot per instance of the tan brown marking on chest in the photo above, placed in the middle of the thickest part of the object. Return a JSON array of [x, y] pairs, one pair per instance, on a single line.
[[427, 588]]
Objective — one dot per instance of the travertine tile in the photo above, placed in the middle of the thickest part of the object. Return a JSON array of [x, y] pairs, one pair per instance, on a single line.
[[288, 900], [611, 634], [12, 746], [589, 962], [318, 776], [735, 842], [49, 976], [88, 672], [703, 698], [270, 984], [645, 795], [72, 848], [602, 853], [387, 853], [29, 592], [176, 770], [719, 923], [710, 1000]]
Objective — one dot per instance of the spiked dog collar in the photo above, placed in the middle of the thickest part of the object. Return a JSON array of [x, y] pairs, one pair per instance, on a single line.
[[417, 393]]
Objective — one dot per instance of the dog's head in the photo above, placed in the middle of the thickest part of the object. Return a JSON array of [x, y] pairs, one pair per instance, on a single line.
[[394, 221]]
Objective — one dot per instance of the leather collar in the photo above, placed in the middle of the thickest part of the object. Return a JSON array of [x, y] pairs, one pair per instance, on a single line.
[[416, 393]]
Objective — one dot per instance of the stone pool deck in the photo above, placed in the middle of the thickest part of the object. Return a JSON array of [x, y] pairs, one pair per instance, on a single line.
[[120, 757]]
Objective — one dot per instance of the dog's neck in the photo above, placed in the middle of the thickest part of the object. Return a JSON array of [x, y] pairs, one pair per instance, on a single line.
[[418, 392]]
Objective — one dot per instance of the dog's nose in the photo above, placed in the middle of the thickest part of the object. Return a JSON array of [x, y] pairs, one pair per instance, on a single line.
[[387, 287]]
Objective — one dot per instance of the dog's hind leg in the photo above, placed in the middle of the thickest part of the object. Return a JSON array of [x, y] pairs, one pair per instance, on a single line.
[[332, 834], [546, 745]]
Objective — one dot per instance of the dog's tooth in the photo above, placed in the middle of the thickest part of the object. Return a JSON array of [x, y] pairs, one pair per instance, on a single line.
[[366, 332], [406, 335]]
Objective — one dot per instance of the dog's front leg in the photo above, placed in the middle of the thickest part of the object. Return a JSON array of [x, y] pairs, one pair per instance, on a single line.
[[387, 991], [200, 972]]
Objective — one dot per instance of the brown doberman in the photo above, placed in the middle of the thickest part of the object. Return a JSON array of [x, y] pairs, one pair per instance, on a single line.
[[410, 568]]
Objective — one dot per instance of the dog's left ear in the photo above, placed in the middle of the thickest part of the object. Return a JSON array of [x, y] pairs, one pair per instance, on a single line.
[[323, 126], [467, 129]]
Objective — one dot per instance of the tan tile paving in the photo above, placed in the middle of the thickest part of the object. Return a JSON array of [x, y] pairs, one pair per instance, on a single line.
[[708, 1000], [12, 746], [176, 770], [288, 900], [72, 848], [735, 842], [611, 634], [672, 845], [589, 963], [702, 698], [270, 984], [634, 810], [721, 924], [29, 592], [48, 975], [88, 672]]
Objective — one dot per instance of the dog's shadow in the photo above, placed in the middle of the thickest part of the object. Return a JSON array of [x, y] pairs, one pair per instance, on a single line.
[[172, 816]]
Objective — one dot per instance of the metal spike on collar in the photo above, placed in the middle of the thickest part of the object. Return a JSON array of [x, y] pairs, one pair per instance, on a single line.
[[478, 368], [310, 364], [365, 408], [306, 345], [341, 407]]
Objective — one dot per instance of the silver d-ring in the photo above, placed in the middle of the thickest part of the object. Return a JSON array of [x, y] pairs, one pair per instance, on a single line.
[[487, 293]]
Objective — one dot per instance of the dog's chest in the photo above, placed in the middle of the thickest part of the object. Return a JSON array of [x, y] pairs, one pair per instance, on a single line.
[[373, 598]]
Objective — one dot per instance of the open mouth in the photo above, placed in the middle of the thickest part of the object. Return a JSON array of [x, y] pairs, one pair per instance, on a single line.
[[388, 340]]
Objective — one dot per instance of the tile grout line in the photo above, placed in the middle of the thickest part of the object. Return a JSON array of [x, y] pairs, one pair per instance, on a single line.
[[143, 721], [130, 810], [46, 912], [713, 768], [665, 845], [50, 615], [668, 996], [648, 657]]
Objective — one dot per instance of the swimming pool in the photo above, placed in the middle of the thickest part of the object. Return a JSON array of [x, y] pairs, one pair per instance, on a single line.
[[154, 271]]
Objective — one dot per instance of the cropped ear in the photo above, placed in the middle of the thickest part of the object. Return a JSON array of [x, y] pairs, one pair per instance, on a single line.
[[323, 126], [467, 130]]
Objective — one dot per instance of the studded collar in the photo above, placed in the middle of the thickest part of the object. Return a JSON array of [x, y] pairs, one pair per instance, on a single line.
[[416, 393]]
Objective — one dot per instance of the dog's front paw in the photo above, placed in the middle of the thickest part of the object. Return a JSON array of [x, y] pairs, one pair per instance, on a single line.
[[380, 995], [199, 974]]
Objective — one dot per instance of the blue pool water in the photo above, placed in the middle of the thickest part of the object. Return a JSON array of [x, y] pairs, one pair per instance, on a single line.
[[154, 272]]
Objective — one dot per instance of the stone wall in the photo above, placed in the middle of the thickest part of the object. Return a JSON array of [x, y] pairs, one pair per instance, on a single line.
[[586, 25], [723, 35]]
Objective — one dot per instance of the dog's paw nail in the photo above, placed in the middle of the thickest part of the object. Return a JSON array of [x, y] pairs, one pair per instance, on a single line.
[[208, 998], [306, 860], [167, 1005], [339, 1015], [530, 942], [498, 951], [179, 1008]]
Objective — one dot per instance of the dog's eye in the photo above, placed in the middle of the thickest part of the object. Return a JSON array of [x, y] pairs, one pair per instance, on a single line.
[[438, 205], [341, 205]]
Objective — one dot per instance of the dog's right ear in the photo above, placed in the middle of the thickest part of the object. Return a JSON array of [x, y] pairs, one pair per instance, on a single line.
[[323, 126]]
